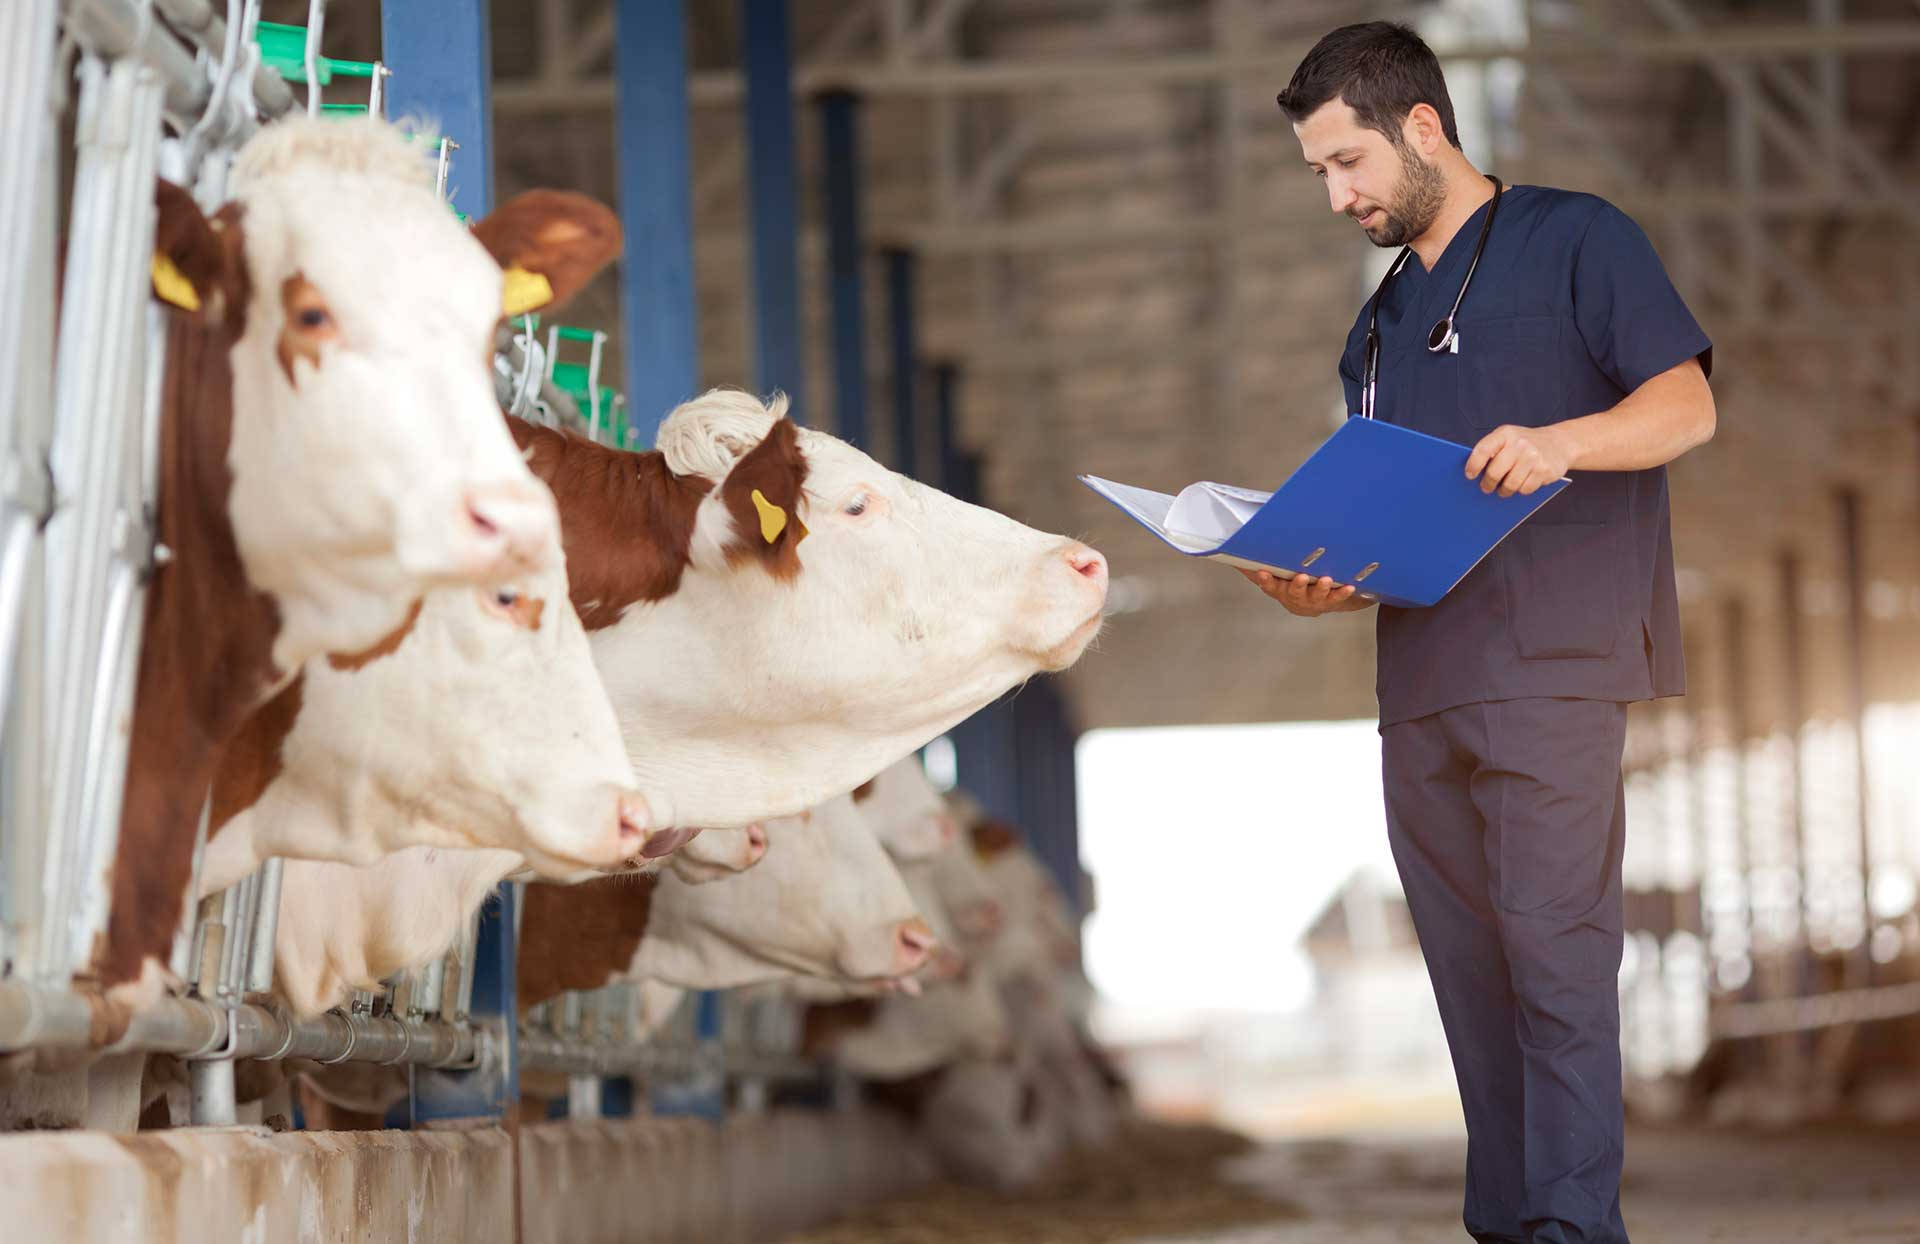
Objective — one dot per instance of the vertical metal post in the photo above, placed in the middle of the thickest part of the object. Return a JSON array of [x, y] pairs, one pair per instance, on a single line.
[[96, 540], [27, 211], [1740, 723], [900, 298], [491, 1089], [773, 198], [440, 55], [1794, 666], [840, 134], [656, 203], [1853, 555]]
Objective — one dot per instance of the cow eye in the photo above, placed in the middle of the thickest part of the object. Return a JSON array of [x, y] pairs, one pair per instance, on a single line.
[[314, 318], [857, 506], [506, 599]]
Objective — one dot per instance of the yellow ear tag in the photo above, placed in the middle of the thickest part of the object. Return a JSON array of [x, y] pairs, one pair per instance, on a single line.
[[773, 519], [804, 533], [523, 291], [171, 285]]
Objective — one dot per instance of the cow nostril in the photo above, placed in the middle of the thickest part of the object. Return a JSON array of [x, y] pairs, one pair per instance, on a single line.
[[756, 842], [1086, 562], [636, 821], [915, 943]]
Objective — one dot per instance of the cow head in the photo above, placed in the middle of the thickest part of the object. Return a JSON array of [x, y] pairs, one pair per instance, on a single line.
[[366, 452], [823, 616], [484, 725], [906, 811], [826, 901]]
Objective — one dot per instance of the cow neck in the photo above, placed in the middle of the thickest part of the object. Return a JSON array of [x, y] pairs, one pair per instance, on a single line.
[[580, 936], [626, 521], [206, 659], [254, 756], [825, 1024]]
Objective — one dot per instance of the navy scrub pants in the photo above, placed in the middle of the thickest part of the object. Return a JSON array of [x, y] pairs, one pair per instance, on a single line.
[[1507, 821]]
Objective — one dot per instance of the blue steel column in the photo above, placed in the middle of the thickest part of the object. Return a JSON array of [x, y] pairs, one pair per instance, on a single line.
[[656, 209], [900, 294], [773, 196], [840, 138], [983, 744], [442, 67]]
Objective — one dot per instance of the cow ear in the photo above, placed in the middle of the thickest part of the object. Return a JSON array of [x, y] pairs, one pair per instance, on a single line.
[[549, 243], [762, 495], [199, 263]]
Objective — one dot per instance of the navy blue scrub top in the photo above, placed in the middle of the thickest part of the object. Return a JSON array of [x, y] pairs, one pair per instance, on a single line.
[[1569, 312]]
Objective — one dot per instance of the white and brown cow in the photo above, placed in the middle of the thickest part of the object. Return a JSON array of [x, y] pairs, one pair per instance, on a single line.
[[484, 726], [878, 613], [330, 449], [906, 811], [826, 902]]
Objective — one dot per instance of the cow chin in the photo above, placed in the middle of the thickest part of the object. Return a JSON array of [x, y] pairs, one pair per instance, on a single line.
[[1070, 649]]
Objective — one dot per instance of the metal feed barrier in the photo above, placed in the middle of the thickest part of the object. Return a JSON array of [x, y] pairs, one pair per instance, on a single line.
[[173, 88]]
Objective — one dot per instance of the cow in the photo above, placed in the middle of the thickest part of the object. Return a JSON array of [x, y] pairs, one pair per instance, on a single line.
[[330, 449], [718, 853], [906, 811], [777, 617], [826, 901], [484, 726]]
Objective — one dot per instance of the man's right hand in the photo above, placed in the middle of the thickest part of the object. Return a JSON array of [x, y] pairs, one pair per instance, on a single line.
[[1307, 596]]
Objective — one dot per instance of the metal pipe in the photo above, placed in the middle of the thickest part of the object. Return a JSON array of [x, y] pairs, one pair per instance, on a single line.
[[266, 922], [37, 1017], [1827, 1010], [213, 1103], [1854, 561], [1795, 669]]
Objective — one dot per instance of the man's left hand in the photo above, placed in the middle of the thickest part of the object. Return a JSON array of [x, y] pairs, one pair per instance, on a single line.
[[1519, 460]]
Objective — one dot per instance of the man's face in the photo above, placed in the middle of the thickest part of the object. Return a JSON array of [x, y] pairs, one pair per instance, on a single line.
[[1389, 188]]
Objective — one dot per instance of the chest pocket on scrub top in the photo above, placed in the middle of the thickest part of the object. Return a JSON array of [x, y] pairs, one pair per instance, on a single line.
[[1509, 372]]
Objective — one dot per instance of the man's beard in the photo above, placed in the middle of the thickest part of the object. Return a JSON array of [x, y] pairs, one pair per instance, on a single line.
[[1416, 204]]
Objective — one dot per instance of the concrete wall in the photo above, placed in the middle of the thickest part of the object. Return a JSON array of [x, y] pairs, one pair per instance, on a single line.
[[243, 1186]]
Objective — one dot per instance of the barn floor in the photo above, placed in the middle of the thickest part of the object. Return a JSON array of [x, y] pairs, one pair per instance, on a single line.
[[1684, 1186]]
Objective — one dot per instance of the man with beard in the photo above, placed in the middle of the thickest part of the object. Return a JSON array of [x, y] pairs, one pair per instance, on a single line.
[[1538, 327]]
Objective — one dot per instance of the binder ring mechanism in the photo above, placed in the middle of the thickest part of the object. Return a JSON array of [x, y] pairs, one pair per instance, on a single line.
[[1320, 552]]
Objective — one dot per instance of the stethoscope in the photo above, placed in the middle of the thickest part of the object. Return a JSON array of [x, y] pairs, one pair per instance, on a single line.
[[1443, 337]]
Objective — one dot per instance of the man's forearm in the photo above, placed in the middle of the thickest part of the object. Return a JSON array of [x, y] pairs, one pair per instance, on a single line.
[[1656, 423]]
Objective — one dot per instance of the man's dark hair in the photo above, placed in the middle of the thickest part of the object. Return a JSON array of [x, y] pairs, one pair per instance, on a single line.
[[1380, 69]]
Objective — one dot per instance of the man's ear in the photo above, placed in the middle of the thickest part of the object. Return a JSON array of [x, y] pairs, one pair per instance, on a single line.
[[1423, 129], [549, 243], [199, 264]]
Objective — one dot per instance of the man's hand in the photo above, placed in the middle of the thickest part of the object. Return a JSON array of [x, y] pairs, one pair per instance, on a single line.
[[1307, 596], [1519, 460]]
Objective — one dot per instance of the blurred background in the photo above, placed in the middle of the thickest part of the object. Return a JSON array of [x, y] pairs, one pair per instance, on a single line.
[[1037, 238]]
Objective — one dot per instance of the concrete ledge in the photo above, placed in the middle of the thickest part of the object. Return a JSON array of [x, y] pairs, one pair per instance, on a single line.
[[245, 1185], [667, 1181]]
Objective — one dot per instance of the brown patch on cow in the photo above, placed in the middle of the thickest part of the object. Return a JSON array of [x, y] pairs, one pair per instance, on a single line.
[[206, 659], [777, 470], [564, 237], [864, 791], [579, 936], [991, 837], [524, 612], [626, 521], [308, 324], [388, 645], [825, 1024], [253, 758], [211, 254]]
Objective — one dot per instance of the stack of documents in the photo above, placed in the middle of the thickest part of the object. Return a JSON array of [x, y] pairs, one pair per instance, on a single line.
[[1379, 506]]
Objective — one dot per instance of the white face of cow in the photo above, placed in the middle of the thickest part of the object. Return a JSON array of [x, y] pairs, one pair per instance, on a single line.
[[746, 694], [826, 901], [907, 812], [486, 726], [367, 452]]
